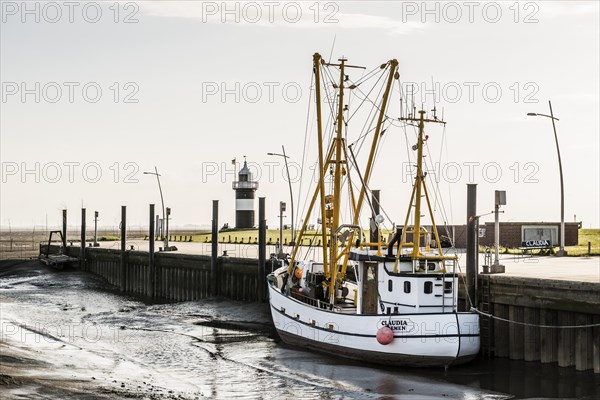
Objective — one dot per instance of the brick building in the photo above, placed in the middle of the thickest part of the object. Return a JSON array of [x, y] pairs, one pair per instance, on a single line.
[[512, 234]]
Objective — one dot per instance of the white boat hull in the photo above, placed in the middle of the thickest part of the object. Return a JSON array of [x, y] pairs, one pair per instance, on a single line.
[[422, 339]]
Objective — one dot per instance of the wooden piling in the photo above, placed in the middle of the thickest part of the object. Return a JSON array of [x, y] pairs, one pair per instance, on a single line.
[[501, 331], [584, 350], [548, 337], [82, 248], [262, 249], [123, 262], [64, 230], [214, 248], [566, 340], [472, 251], [151, 260], [531, 334], [596, 343], [515, 333]]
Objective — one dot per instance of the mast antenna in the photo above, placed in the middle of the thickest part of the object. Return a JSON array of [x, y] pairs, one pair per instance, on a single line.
[[332, 47]]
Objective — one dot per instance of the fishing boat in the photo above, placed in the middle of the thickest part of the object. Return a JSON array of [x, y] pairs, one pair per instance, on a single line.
[[389, 302]]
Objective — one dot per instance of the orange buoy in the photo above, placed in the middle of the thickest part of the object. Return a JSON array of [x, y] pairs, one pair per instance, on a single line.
[[385, 335], [298, 273]]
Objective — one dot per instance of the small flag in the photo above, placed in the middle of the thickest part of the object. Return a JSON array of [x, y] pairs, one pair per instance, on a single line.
[[233, 161]]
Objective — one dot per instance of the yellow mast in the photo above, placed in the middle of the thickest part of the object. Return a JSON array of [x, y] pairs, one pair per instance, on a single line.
[[419, 190], [337, 180], [420, 180], [322, 165]]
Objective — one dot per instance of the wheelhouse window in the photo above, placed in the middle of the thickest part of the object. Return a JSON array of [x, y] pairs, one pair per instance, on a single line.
[[428, 287], [406, 286]]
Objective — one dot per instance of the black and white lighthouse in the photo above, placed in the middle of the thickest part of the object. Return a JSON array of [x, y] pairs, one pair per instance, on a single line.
[[244, 198]]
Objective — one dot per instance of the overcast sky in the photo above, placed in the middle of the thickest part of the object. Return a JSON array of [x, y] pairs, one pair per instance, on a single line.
[[96, 93]]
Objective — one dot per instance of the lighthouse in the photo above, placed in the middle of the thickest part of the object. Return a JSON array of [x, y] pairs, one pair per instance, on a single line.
[[244, 198]]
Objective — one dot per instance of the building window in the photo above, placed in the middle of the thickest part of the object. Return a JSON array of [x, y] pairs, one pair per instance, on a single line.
[[390, 285], [406, 286], [428, 288]]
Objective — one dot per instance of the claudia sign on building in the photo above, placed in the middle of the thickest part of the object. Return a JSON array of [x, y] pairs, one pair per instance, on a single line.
[[536, 243]]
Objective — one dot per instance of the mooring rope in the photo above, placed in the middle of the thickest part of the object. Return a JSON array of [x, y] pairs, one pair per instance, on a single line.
[[533, 325]]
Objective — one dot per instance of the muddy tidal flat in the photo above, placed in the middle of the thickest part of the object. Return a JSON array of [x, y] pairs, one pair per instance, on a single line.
[[68, 334]]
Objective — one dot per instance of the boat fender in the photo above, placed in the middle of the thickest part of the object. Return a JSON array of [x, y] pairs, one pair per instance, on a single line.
[[385, 335]]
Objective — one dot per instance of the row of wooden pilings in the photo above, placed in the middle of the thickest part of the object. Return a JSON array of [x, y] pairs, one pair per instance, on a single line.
[[173, 276], [177, 277]]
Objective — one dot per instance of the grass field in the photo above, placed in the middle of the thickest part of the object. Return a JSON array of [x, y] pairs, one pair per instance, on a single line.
[[586, 235], [251, 236], [24, 243]]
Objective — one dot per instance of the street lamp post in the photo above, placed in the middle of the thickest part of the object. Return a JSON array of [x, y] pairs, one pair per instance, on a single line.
[[162, 233], [281, 210], [285, 157], [561, 251]]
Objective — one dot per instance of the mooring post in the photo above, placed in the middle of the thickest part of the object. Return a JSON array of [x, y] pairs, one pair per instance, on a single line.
[[82, 248], [95, 229], [214, 248], [157, 225], [262, 248], [472, 251], [64, 230], [123, 250], [151, 266]]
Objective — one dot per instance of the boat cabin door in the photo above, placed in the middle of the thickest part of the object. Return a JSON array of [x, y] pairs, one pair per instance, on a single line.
[[369, 288]]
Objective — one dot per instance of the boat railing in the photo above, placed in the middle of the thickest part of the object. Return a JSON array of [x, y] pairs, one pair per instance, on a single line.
[[311, 301], [323, 305]]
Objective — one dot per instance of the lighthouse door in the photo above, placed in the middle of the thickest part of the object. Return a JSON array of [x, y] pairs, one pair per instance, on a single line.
[[369, 292]]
